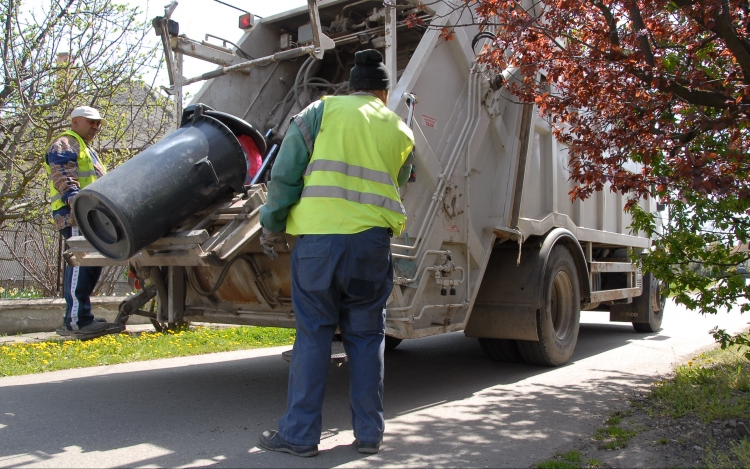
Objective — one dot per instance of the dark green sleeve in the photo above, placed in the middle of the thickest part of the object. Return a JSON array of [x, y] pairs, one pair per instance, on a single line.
[[287, 182], [405, 171]]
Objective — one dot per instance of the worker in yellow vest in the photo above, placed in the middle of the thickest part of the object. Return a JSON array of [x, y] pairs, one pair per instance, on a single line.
[[334, 186], [72, 165]]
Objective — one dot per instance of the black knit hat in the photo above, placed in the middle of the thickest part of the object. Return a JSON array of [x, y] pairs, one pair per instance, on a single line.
[[369, 72]]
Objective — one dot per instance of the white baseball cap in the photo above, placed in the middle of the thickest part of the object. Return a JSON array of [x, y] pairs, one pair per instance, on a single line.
[[87, 112]]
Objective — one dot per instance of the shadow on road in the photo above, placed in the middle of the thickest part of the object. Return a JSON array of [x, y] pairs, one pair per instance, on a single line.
[[446, 404]]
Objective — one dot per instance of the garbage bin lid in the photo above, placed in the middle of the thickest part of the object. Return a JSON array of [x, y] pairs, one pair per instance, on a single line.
[[240, 127]]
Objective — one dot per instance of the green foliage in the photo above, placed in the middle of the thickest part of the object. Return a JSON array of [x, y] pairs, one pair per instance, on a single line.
[[15, 293], [569, 460], [616, 417], [738, 457], [614, 437], [740, 341], [695, 252], [26, 358], [700, 252]]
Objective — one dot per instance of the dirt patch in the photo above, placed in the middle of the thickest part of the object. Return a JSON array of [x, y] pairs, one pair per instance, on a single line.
[[663, 441]]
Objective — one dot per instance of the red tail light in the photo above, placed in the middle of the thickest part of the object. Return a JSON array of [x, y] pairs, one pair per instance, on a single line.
[[247, 21]]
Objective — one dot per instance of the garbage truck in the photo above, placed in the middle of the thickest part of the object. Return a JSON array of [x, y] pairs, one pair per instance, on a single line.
[[493, 245]]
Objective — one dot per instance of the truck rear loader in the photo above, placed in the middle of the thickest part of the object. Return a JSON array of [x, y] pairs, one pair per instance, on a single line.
[[493, 247]]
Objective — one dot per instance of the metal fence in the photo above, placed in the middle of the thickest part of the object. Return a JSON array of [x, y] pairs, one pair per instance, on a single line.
[[28, 257], [31, 259]]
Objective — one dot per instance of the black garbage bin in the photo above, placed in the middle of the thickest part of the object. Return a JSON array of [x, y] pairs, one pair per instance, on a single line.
[[143, 199]]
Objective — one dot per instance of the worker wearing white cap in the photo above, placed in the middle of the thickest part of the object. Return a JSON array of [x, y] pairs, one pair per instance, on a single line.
[[72, 165]]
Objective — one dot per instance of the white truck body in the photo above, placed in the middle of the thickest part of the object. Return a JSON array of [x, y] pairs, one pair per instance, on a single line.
[[488, 214]]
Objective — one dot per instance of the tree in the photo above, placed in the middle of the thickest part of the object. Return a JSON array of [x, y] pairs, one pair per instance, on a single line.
[[80, 52], [665, 84], [67, 54]]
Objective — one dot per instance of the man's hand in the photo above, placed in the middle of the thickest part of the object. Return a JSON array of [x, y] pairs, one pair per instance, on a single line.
[[270, 239]]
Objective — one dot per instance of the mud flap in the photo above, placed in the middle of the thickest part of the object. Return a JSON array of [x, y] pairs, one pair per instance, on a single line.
[[641, 308]]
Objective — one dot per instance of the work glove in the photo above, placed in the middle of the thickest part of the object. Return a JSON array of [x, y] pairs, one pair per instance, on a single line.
[[269, 239]]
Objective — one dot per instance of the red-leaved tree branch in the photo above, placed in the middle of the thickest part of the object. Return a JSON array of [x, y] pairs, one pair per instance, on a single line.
[[664, 83]]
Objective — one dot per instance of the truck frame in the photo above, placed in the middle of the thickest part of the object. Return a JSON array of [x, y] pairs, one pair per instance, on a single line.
[[493, 247]]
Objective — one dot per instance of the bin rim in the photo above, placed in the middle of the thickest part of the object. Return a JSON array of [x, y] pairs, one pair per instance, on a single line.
[[239, 127]]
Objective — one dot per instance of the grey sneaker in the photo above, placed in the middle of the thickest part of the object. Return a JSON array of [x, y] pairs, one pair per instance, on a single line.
[[367, 448], [93, 326], [271, 441], [92, 330]]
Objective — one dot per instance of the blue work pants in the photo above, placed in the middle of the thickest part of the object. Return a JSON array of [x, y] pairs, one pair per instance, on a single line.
[[78, 285], [344, 281]]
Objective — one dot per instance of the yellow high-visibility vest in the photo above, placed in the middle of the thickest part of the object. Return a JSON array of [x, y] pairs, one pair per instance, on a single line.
[[86, 171], [350, 183]]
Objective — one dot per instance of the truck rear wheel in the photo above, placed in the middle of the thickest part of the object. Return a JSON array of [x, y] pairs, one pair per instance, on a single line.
[[501, 350], [558, 319], [654, 304]]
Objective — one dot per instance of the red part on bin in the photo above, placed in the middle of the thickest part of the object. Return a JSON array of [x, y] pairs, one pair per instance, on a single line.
[[254, 158]]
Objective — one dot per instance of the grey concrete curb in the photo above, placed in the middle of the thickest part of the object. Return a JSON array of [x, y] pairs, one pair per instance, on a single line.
[[25, 316]]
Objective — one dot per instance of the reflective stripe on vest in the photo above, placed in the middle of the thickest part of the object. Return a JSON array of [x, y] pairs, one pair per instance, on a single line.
[[350, 170], [349, 184], [354, 196], [86, 174], [309, 143]]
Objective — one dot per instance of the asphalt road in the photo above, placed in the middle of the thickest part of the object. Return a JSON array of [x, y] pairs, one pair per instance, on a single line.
[[446, 404]]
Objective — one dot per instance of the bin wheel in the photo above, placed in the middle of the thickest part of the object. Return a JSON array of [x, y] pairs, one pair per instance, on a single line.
[[391, 342], [658, 300], [501, 350], [558, 319]]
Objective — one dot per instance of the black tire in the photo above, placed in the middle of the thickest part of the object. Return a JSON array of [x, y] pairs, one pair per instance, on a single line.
[[558, 319], [391, 342], [657, 299], [501, 350]]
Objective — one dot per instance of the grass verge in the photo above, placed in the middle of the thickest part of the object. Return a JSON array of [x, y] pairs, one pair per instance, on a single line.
[[26, 358], [614, 437], [569, 460], [692, 418], [737, 455], [714, 385]]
